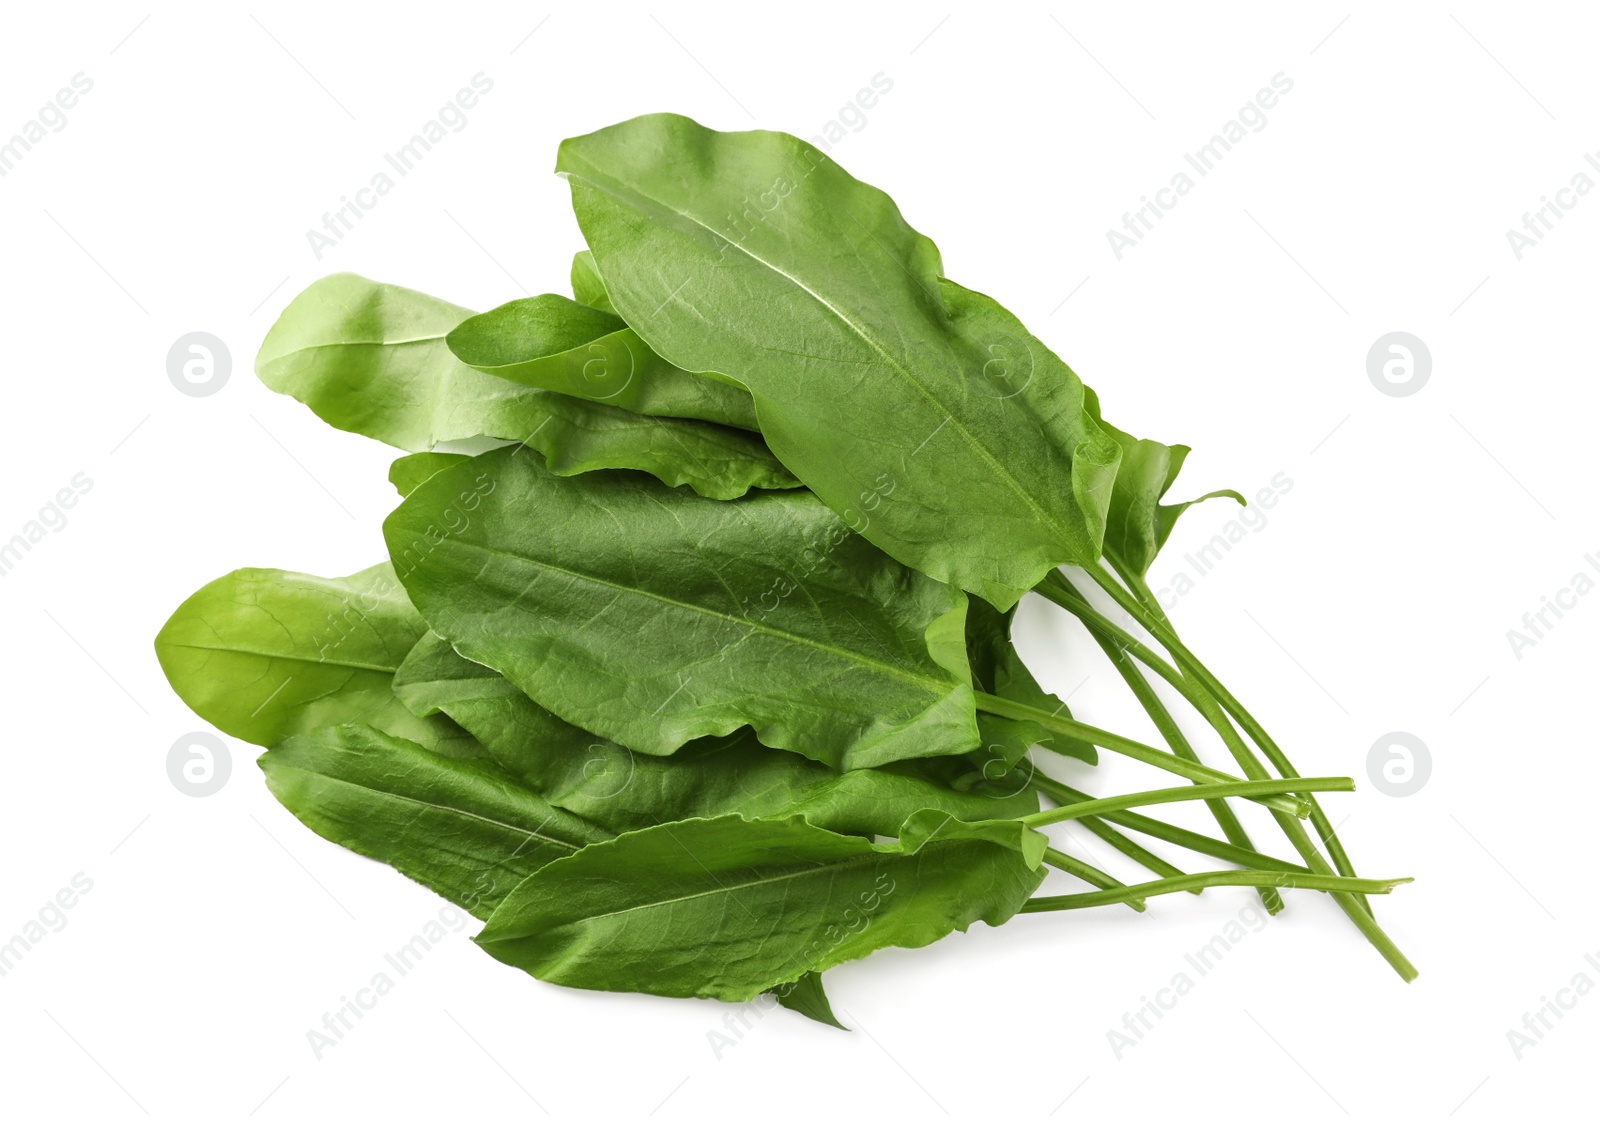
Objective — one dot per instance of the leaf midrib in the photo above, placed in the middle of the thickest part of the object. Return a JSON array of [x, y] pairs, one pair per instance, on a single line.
[[927, 394], [724, 889], [530, 834], [806, 642], [314, 660]]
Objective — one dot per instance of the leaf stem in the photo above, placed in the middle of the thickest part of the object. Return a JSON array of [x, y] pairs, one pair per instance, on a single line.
[[1187, 793], [1171, 733], [1161, 830], [1087, 872], [1160, 626], [1241, 878], [1215, 707], [1161, 759]]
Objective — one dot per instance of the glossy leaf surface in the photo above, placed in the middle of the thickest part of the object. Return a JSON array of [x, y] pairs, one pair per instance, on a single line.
[[1138, 523], [624, 790], [550, 342], [755, 256], [371, 358], [456, 825], [262, 654], [653, 617], [728, 908]]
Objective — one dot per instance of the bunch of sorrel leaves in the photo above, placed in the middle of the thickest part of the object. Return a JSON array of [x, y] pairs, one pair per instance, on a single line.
[[698, 680]]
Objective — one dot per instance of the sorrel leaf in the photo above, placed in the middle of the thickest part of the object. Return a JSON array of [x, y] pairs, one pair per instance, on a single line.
[[371, 358], [997, 668], [653, 617], [755, 256], [550, 342], [587, 286], [262, 654], [709, 777], [728, 908], [1138, 522], [808, 998], [408, 473], [456, 825]]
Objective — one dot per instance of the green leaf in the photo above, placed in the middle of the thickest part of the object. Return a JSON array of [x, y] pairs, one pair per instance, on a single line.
[[652, 617], [551, 342], [1139, 523], [709, 777], [998, 669], [754, 256], [371, 358], [587, 286], [807, 997], [456, 825], [409, 472], [728, 908], [263, 654]]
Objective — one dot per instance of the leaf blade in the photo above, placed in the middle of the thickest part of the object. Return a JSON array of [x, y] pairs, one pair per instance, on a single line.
[[625, 790], [451, 824], [550, 342], [372, 358], [728, 908], [618, 609], [263, 654], [831, 310]]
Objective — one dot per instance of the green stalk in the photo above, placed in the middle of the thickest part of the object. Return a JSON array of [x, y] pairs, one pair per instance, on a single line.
[[1354, 907], [1056, 589], [1060, 591], [1172, 734], [1186, 793], [1072, 866], [1246, 878], [1173, 834], [1126, 845], [1187, 660], [1161, 759]]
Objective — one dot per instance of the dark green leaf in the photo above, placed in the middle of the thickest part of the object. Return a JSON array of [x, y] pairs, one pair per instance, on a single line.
[[709, 777], [997, 668], [456, 825], [728, 908], [923, 412], [1138, 522], [550, 342], [652, 617], [808, 998]]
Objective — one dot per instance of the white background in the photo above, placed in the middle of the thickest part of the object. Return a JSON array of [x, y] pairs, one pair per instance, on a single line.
[[1377, 598]]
